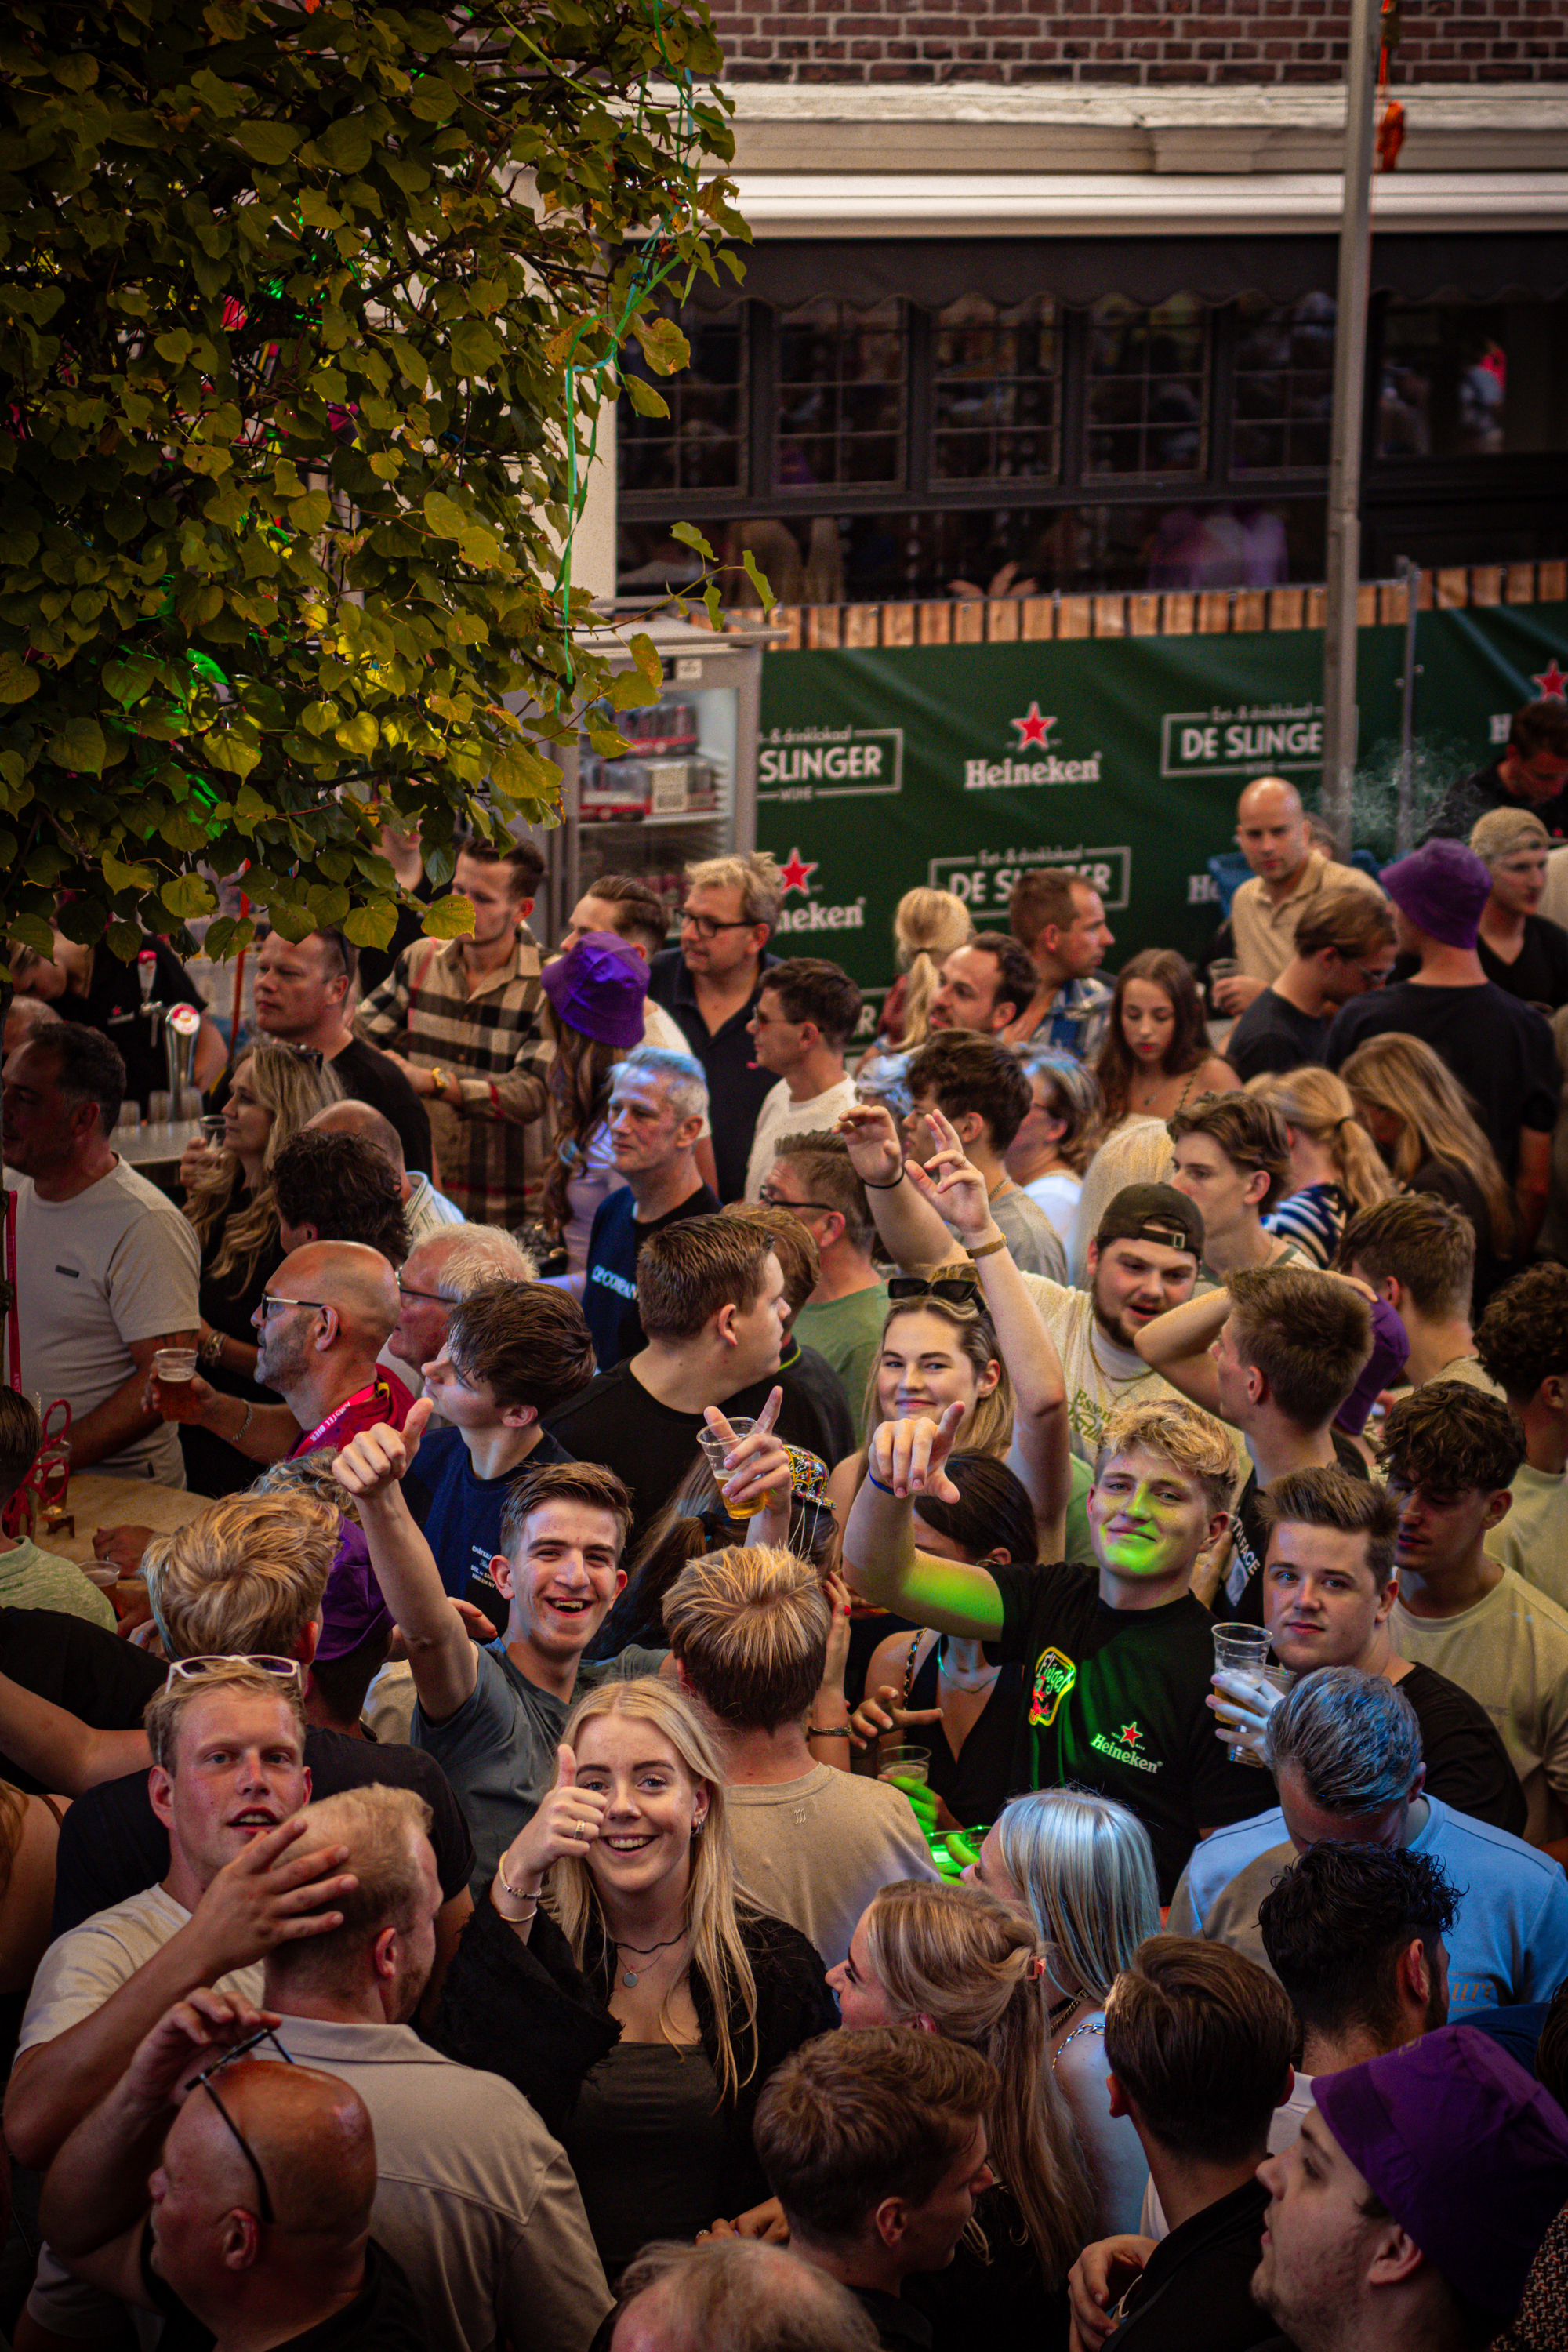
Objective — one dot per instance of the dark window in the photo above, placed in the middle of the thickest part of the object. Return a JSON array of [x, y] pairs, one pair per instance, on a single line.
[[996, 397], [1148, 387], [1284, 393], [841, 395], [702, 444]]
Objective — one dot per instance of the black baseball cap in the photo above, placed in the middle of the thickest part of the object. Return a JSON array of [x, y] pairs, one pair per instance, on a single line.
[[1153, 1213]]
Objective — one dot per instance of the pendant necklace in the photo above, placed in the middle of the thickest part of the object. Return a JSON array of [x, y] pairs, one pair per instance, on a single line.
[[646, 1952]]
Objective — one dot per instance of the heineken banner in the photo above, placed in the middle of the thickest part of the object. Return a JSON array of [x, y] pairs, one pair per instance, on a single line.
[[966, 765]]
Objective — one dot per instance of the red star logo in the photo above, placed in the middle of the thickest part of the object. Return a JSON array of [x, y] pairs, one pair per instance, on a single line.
[[1032, 729], [1130, 1734], [797, 874], [1552, 685]]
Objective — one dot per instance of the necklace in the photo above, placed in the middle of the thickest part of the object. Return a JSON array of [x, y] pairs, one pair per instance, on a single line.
[[646, 1952], [1060, 2011]]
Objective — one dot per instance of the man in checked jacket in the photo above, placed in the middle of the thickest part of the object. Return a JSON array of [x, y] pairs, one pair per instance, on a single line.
[[461, 1018]]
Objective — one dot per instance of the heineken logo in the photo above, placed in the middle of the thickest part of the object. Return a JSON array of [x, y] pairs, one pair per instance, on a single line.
[[1054, 1675], [1122, 1746], [1551, 684], [794, 874], [1034, 733]]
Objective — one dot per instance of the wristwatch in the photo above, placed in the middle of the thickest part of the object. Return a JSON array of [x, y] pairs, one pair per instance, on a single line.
[[437, 1079]]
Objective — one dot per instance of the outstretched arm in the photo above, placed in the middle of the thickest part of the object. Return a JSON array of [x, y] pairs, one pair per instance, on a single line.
[[371, 1466], [1177, 1343], [881, 1561]]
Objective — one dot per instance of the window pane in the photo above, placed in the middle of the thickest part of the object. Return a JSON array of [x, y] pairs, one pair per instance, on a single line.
[[1442, 391], [1284, 384], [702, 441], [842, 395], [1148, 387], [995, 368]]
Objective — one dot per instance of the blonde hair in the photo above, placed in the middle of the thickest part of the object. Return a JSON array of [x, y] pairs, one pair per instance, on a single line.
[[166, 1710], [1319, 1103], [294, 1089], [1504, 832], [244, 1577], [1085, 1867], [381, 1827], [927, 926], [1402, 1077], [756, 876], [718, 1954], [969, 1963], [750, 1626], [987, 1426], [1192, 1441], [310, 1475]]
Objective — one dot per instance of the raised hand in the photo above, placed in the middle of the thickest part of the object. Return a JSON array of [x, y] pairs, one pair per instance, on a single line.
[[186, 2036], [266, 1896], [871, 1134], [909, 1456], [951, 1182], [374, 1461], [568, 1821], [758, 1463]]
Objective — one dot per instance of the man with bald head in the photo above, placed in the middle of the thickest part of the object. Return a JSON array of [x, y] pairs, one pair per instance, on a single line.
[[250, 2188], [425, 1210], [739, 2292], [321, 1324], [1287, 874]]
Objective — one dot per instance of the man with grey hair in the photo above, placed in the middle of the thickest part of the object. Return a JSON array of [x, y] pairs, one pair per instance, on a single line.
[[443, 1266], [425, 1210], [657, 1101], [1345, 1749], [711, 983], [741, 2293]]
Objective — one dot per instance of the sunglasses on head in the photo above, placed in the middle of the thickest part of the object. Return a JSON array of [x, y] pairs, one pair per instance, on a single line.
[[952, 1289]]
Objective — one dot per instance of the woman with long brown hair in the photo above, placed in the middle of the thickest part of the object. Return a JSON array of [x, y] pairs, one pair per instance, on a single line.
[[1424, 1123], [1158, 1055]]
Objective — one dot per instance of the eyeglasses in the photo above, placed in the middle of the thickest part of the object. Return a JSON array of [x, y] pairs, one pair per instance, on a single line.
[[1374, 979], [272, 1298], [203, 2082], [195, 1670], [706, 928], [436, 1298], [953, 1290], [777, 1200]]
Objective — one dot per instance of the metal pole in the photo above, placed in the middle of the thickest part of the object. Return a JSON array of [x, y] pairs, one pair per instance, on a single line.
[[1350, 394], [1404, 811]]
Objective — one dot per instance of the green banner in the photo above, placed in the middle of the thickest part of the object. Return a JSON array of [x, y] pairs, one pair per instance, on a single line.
[[965, 765]]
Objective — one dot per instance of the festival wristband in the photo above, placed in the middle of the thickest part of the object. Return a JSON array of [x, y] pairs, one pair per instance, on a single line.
[[881, 1486], [893, 1187]]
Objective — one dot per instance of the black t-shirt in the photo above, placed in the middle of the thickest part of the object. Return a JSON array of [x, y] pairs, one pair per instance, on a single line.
[[1460, 1190], [1239, 1601], [813, 1400], [1273, 1035], [610, 1289], [1539, 973], [1196, 2286], [227, 1303], [1467, 1764], [368, 1077], [1477, 794], [737, 1088], [1498, 1048], [382, 2317], [460, 1513], [1114, 1700], [90, 1672], [113, 992], [112, 1844]]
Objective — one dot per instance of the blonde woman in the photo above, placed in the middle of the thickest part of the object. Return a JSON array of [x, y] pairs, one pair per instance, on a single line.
[[954, 1960], [1520, 948], [1335, 1167], [614, 1975], [1424, 1126], [1082, 1867], [274, 1093], [927, 927]]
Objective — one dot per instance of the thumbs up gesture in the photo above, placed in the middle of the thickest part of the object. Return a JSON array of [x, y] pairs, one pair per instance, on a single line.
[[568, 1821]]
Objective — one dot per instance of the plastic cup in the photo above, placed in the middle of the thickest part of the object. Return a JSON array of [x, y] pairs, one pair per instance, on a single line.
[[715, 1447], [1241, 1650], [171, 1365], [905, 1767]]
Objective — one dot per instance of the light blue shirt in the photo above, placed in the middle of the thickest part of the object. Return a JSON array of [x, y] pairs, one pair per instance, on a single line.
[[1508, 1941]]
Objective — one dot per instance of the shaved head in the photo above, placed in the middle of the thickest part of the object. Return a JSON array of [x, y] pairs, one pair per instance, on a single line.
[[1266, 796], [363, 1119], [1272, 831], [358, 1282], [310, 2133]]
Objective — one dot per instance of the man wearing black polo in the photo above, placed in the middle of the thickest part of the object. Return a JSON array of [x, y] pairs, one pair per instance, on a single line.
[[710, 983]]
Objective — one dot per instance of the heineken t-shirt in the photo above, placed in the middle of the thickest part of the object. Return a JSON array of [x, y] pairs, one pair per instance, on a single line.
[[1114, 1700]]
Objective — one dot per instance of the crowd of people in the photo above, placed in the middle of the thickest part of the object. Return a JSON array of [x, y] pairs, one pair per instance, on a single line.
[[806, 1698]]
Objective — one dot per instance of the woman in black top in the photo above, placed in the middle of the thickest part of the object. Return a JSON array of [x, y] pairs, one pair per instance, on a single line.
[[615, 1977], [228, 1198], [944, 1691], [1520, 948], [1421, 1119]]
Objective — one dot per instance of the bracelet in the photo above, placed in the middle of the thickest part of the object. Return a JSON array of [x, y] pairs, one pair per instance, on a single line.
[[518, 1894], [244, 1425], [881, 1486], [893, 1187], [988, 1249], [828, 1731]]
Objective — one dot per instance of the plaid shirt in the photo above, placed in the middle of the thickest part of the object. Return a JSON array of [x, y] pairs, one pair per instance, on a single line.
[[1076, 1018], [492, 1152]]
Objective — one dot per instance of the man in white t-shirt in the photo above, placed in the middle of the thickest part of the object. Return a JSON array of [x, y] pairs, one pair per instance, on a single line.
[[1451, 1453], [806, 1015], [107, 1268], [1523, 1343]]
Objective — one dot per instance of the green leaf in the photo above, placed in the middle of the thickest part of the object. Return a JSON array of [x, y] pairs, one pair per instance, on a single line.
[[188, 895], [664, 346], [267, 142], [127, 877], [643, 398], [371, 926], [445, 516], [230, 753], [759, 581], [80, 747], [311, 513], [359, 734], [450, 919], [128, 681], [475, 347], [689, 536], [124, 940], [645, 653], [345, 146], [19, 679]]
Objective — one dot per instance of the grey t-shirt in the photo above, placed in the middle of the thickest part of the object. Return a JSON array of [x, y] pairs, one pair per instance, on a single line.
[[1036, 1245], [499, 1750]]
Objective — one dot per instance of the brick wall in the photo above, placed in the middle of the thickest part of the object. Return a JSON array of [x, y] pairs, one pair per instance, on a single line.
[[1154, 42]]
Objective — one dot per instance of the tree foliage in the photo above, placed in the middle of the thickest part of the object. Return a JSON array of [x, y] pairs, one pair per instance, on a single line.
[[306, 311]]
